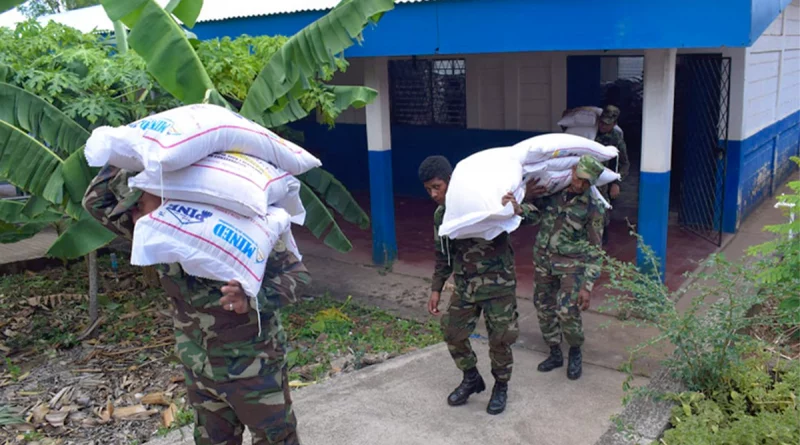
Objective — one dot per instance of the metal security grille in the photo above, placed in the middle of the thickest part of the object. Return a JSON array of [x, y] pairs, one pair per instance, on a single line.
[[702, 110], [428, 92]]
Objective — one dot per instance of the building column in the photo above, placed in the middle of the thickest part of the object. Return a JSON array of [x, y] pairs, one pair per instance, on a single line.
[[654, 182], [379, 144]]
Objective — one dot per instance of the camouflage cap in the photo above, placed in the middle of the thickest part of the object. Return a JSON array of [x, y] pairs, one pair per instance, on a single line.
[[126, 196], [610, 115], [589, 168]]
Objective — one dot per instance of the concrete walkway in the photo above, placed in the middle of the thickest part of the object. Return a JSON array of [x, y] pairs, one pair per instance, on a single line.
[[402, 402]]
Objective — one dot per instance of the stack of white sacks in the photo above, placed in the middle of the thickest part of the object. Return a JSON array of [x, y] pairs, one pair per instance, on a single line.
[[227, 187], [582, 121], [479, 182]]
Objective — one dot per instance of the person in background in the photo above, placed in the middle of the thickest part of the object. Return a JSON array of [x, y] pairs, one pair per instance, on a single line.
[[235, 377], [608, 133], [567, 261], [485, 282]]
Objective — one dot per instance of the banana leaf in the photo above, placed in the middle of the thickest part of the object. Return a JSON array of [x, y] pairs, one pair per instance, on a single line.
[[6, 5], [186, 10], [335, 194], [16, 226], [41, 120], [30, 165], [34, 207], [80, 238], [165, 48], [345, 97], [307, 53], [319, 221]]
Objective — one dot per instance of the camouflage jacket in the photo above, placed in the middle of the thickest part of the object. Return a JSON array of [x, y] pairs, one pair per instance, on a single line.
[[481, 269], [622, 164], [211, 341], [570, 225]]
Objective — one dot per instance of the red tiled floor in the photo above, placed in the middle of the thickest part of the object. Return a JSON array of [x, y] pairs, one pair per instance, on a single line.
[[415, 243]]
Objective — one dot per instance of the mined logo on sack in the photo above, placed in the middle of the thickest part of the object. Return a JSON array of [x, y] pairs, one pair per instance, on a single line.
[[188, 215], [159, 125], [239, 240]]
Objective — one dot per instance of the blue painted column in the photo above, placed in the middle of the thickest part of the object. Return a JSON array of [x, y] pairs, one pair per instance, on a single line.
[[379, 137], [654, 182]]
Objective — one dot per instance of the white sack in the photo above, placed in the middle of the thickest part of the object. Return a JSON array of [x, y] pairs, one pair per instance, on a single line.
[[474, 196], [179, 137], [209, 242], [581, 117], [557, 145], [585, 132], [233, 181]]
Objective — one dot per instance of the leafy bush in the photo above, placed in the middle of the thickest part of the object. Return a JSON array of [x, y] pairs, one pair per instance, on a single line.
[[760, 407]]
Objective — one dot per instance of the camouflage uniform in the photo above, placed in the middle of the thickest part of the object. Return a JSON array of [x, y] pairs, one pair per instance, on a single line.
[[485, 281], [234, 377], [564, 261], [622, 164]]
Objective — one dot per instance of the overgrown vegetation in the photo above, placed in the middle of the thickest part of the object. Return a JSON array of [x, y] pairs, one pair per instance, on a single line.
[[734, 332]]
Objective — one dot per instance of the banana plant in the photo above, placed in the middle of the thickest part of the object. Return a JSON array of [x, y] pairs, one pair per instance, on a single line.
[[41, 152], [6, 5], [274, 99]]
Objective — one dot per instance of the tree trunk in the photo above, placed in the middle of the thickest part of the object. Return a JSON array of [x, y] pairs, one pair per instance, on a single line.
[[92, 260]]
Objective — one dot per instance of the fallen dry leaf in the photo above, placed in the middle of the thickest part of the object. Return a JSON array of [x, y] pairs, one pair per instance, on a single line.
[[56, 419], [156, 398], [39, 412], [135, 412], [168, 416], [177, 379]]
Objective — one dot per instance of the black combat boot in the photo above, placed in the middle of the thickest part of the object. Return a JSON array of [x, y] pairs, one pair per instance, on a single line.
[[472, 384], [555, 360], [575, 366], [497, 404]]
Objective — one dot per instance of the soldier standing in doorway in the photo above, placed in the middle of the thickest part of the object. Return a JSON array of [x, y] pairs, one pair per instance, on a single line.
[[485, 281], [567, 261], [608, 133]]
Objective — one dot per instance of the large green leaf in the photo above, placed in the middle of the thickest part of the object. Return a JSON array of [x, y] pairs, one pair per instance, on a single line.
[[29, 165], [163, 44], [41, 120], [309, 52], [80, 238], [186, 10], [16, 226], [335, 195], [320, 222], [290, 109], [5, 5]]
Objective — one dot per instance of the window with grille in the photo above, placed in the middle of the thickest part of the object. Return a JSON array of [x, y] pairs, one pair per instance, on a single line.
[[428, 92]]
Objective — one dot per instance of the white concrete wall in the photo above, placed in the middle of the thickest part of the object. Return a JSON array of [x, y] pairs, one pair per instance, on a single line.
[[772, 73], [504, 91]]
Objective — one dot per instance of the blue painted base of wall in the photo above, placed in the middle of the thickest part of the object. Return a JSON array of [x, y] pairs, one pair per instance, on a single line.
[[757, 166], [653, 218], [384, 240]]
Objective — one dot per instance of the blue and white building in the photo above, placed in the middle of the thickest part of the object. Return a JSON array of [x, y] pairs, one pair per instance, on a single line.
[[718, 83]]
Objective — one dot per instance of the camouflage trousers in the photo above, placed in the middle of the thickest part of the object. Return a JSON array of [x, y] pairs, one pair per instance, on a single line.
[[223, 409], [461, 320], [556, 299]]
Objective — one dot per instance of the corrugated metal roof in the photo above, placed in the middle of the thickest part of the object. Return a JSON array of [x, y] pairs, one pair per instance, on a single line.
[[95, 18]]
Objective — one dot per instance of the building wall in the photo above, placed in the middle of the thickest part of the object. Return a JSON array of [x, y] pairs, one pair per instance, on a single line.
[[771, 118], [509, 98]]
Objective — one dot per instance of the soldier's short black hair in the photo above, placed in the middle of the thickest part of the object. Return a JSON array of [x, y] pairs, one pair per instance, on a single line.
[[435, 167]]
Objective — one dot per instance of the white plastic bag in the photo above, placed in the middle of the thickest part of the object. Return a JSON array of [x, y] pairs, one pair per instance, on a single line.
[[209, 242], [180, 137], [556, 145], [581, 117], [477, 186], [234, 181]]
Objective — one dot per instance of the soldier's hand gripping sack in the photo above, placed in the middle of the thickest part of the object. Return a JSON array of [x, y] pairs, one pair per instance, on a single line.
[[233, 181], [209, 242], [180, 137]]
